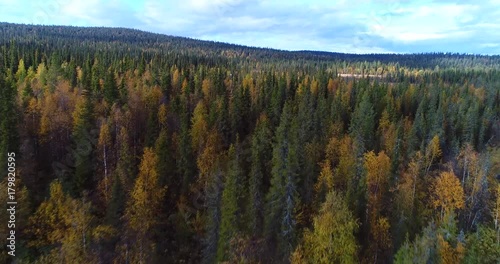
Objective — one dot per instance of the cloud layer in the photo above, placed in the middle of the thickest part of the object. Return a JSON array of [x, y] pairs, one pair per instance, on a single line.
[[355, 26]]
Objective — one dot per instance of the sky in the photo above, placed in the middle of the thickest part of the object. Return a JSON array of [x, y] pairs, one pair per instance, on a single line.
[[351, 26]]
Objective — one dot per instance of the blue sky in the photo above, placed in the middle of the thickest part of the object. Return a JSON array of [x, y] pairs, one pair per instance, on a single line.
[[354, 26]]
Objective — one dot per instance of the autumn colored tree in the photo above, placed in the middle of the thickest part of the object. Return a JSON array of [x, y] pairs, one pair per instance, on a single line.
[[474, 170], [432, 152], [103, 149], [377, 169], [409, 198], [332, 239], [66, 226], [107, 117], [208, 159], [447, 194], [142, 207], [325, 183], [199, 127], [377, 178]]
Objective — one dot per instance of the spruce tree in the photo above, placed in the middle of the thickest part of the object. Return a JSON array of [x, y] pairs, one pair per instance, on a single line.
[[282, 197], [110, 88], [84, 142], [259, 171], [231, 196], [362, 127], [8, 121]]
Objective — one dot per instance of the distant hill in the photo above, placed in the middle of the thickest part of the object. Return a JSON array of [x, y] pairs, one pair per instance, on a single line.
[[103, 38]]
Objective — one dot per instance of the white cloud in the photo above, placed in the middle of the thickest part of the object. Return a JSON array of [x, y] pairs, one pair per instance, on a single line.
[[422, 23], [212, 6], [490, 45], [344, 25]]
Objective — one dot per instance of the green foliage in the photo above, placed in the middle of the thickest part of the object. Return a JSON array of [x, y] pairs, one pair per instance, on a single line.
[[362, 127], [260, 157], [482, 246], [84, 142], [110, 88], [286, 116], [282, 198], [231, 200], [332, 239], [9, 137]]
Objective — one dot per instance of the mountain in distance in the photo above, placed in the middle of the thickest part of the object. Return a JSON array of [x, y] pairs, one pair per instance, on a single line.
[[103, 37]]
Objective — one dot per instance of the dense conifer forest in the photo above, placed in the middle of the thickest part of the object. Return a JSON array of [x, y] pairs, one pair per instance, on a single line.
[[134, 147]]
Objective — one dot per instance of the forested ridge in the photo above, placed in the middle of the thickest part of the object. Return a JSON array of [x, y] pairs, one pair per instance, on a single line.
[[135, 147]]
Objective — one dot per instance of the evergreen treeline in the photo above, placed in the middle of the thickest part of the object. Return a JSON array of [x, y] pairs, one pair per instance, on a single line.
[[135, 147]]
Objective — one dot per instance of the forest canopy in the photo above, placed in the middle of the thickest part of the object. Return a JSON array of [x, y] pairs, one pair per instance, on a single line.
[[135, 147]]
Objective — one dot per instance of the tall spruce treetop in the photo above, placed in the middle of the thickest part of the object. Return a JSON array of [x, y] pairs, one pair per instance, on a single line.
[[261, 150], [85, 140], [362, 126], [230, 208], [282, 197], [8, 120]]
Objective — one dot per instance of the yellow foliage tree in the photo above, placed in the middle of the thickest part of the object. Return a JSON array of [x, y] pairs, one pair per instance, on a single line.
[[162, 116], [104, 146], [144, 203], [377, 177], [199, 126], [448, 253], [207, 89], [432, 152], [208, 158], [65, 223], [387, 131], [332, 239], [407, 186], [447, 193], [324, 184]]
